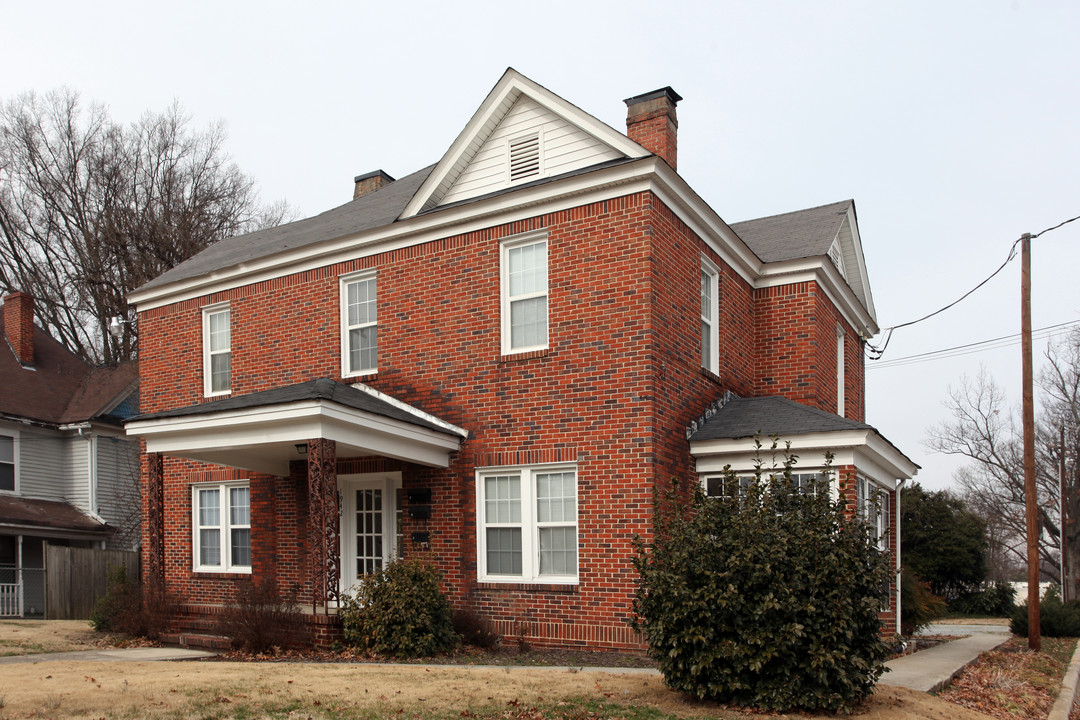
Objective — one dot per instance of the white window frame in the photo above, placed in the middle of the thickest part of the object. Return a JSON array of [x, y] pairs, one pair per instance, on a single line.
[[840, 370], [504, 290], [530, 527], [208, 381], [710, 356], [14, 435], [346, 369], [224, 527], [871, 507], [801, 478]]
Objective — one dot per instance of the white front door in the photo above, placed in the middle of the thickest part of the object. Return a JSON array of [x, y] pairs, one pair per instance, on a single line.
[[370, 522]]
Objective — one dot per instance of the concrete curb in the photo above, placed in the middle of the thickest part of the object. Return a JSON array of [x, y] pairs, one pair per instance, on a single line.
[[1065, 698]]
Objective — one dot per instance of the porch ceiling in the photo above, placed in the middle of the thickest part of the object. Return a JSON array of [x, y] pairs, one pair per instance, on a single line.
[[260, 431]]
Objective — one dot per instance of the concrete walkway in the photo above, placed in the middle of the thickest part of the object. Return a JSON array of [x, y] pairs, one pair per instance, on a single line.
[[142, 654], [931, 669]]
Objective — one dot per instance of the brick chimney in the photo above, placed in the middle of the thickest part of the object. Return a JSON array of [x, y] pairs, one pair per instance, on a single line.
[[19, 325], [651, 123], [370, 182]]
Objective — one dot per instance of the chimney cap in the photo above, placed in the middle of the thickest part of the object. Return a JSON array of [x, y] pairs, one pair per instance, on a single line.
[[671, 95], [372, 174]]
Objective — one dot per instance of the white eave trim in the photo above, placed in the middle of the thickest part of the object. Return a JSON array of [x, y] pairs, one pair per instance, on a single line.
[[863, 448], [824, 272], [510, 86], [263, 438]]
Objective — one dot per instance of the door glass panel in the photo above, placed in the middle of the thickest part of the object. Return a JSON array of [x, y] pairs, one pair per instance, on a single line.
[[369, 531]]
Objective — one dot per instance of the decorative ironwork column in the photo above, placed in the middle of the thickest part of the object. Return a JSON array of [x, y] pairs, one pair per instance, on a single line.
[[324, 523], [155, 519]]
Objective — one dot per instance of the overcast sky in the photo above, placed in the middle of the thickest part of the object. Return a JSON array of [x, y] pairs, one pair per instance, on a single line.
[[953, 125]]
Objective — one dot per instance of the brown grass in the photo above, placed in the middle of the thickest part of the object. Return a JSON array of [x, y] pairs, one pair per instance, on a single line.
[[27, 637]]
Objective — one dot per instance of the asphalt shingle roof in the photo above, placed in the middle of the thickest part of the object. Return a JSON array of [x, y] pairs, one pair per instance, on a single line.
[[321, 389], [793, 235], [767, 416]]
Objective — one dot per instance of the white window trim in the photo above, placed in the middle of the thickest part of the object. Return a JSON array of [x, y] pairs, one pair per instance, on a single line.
[[207, 311], [712, 362], [225, 526], [530, 528], [840, 379], [745, 478], [504, 290], [343, 293], [14, 435]]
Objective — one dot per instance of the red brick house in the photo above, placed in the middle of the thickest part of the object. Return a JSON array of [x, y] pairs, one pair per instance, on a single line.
[[490, 363]]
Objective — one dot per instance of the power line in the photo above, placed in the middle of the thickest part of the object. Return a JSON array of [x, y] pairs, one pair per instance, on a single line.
[[970, 348], [874, 352]]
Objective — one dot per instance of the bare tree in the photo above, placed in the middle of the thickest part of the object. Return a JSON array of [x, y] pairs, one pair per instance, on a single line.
[[987, 431], [90, 209]]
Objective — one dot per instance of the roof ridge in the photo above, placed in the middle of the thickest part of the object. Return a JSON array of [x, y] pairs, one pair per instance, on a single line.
[[849, 201]]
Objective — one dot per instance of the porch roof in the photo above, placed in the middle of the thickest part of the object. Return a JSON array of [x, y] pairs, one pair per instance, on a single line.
[[48, 518], [730, 436], [259, 431]]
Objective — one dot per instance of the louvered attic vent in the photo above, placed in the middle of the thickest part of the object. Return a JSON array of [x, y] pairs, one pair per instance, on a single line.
[[837, 256], [524, 157]]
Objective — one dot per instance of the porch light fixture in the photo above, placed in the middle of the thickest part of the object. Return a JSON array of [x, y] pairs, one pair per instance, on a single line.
[[301, 448], [116, 325]]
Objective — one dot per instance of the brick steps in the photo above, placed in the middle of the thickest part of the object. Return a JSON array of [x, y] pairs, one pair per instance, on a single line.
[[196, 640], [196, 627]]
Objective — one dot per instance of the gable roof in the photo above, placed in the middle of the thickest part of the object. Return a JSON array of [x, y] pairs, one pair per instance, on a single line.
[[768, 416], [372, 210], [508, 93], [61, 388], [810, 233], [798, 234]]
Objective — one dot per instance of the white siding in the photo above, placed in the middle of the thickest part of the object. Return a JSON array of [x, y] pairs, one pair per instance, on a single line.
[[43, 467], [564, 147], [78, 475], [118, 489]]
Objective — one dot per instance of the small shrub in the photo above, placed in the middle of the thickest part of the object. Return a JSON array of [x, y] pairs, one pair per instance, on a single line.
[[475, 630], [1056, 619], [130, 607], [260, 618], [768, 598], [918, 606], [400, 612]]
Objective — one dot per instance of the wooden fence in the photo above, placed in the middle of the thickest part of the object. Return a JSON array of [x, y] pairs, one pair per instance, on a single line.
[[76, 577]]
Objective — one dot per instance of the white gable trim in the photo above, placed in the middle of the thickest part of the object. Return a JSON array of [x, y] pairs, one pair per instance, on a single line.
[[486, 118]]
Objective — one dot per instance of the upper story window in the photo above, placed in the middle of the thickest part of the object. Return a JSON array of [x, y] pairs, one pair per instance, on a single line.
[[839, 370], [359, 324], [710, 312], [7, 463], [221, 519], [524, 294], [217, 350], [528, 521]]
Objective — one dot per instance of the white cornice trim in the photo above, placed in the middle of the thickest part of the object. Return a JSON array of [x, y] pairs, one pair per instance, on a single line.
[[506, 91], [863, 448], [822, 270]]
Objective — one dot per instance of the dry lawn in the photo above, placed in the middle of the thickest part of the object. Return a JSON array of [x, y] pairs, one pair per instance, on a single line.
[[177, 691], [287, 690]]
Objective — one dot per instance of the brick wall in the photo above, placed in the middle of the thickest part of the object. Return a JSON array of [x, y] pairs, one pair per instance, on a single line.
[[621, 380]]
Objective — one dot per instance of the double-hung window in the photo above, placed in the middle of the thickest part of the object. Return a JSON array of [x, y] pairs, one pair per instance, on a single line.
[[525, 294], [528, 521], [710, 312], [359, 324], [221, 519], [217, 350], [7, 463]]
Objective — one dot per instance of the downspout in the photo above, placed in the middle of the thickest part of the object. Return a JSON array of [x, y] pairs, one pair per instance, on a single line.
[[899, 572]]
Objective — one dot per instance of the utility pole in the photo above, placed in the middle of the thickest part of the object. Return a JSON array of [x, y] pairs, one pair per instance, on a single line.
[[1031, 499]]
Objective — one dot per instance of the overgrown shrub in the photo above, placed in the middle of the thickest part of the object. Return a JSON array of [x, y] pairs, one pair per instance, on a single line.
[[994, 601], [768, 598], [259, 618], [918, 605], [1056, 619], [128, 606], [475, 630], [400, 612]]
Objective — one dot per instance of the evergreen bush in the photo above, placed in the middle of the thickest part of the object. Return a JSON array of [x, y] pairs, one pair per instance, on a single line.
[[994, 601], [918, 605], [768, 598], [1056, 619], [400, 612]]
